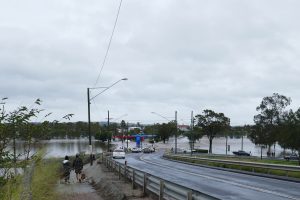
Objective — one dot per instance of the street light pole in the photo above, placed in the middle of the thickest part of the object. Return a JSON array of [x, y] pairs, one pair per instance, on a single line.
[[127, 135], [89, 112], [161, 116]]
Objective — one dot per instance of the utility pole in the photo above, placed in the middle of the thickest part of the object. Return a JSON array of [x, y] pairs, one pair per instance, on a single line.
[[108, 131], [89, 126], [89, 116], [127, 135], [176, 132], [226, 143], [242, 143], [192, 129]]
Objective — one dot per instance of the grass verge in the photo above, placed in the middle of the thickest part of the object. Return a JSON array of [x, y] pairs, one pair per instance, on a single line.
[[12, 189], [251, 159], [44, 180]]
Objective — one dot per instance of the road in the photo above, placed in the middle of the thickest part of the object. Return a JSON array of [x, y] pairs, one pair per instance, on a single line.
[[218, 183]]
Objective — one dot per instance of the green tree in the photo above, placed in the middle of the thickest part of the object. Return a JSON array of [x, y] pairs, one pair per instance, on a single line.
[[212, 123], [166, 130], [102, 135], [268, 120], [290, 131], [123, 128], [193, 136], [152, 130]]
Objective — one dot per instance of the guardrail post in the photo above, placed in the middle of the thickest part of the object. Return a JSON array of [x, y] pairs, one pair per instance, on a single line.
[[125, 172], [119, 171], [189, 195], [145, 184], [161, 190], [116, 167], [133, 178], [109, 164]]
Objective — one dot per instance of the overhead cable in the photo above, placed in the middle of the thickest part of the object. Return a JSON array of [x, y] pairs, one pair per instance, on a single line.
[[109, 43]]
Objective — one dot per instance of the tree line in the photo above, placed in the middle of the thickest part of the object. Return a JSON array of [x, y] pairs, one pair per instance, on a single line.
[[273, 124]]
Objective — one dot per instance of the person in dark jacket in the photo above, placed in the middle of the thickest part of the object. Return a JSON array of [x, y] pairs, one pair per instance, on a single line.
[[78, 166], [67, 169]]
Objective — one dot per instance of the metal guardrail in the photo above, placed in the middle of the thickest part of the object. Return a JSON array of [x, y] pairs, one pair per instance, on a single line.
[[149, 183], [268, 167]]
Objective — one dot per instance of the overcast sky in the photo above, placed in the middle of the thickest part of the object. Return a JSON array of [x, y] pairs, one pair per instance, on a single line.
[[224, 55]]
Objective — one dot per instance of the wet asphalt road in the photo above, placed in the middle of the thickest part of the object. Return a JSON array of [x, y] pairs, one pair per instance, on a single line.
[[218, 183]]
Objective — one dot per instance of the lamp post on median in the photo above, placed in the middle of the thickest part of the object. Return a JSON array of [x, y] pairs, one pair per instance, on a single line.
[[89, 111], [175, 126]]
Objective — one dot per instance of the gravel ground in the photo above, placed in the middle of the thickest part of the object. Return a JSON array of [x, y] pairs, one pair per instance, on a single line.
[[77, 191], [102, 184]]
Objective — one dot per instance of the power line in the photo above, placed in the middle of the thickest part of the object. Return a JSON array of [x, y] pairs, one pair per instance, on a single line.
[[108, 47]]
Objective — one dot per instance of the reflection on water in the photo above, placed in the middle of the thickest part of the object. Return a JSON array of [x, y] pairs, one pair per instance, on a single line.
[[62, 147]]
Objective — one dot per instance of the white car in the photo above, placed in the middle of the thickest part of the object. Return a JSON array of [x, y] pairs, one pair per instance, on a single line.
[[119, 153], [136, 150]]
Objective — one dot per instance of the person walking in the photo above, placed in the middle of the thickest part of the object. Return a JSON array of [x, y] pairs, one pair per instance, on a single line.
[[67, 169], [78, 166]]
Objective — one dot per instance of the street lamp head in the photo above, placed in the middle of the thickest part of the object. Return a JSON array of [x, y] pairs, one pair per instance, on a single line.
[[124, 79]]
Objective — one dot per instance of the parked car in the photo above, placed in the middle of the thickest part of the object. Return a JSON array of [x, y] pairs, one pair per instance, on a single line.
[[136, 150], [119, 153], [152, 149], [147, 150], [291, 157], [241, 153]]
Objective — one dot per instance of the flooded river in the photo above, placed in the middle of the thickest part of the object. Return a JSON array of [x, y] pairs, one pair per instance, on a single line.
[[62, 147]]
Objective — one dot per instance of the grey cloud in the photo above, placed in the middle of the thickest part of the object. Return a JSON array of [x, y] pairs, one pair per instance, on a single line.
[[178, 55]]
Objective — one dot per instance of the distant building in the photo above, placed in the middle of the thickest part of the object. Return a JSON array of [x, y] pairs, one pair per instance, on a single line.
[[134, 127], [184, 128]]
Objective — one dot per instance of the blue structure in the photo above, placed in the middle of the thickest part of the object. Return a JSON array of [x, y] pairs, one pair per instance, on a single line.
[[138, 141], [140, 137]]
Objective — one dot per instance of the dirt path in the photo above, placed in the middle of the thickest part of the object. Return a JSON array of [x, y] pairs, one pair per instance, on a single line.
[[100, 184], [77, 191]]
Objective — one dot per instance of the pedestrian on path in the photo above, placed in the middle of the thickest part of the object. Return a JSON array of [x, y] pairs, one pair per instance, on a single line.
[[67, 169], [78, 166]]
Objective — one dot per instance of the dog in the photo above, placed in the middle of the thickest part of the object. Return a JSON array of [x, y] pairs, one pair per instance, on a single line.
[[82, 176]]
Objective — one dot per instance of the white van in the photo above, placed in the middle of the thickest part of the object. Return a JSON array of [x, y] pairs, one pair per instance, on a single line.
[[119, 153]]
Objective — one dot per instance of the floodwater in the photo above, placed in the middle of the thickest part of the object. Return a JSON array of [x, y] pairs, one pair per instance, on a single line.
[[219, 145], [61, 147], [56, 148]]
